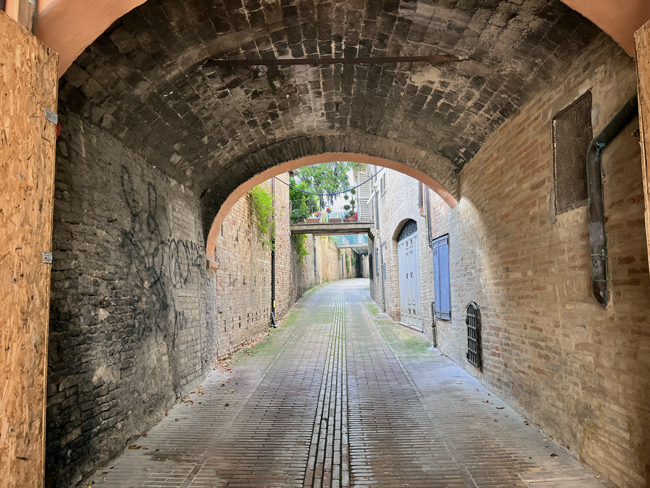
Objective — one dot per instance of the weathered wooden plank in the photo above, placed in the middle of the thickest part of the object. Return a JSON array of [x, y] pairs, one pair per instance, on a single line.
[[28, 85], [642, 38]]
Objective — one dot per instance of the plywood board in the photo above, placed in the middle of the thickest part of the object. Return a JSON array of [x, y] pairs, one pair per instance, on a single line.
[[642, 38], [28, 86]]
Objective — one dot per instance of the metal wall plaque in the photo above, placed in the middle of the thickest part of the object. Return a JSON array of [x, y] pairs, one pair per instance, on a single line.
[[51, 116]]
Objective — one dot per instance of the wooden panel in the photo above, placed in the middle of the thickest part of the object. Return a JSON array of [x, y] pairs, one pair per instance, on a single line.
[[28, 85], [642, 38]]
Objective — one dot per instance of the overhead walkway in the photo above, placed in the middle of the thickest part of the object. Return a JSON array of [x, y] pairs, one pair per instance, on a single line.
[[327, 229], [338, 219]]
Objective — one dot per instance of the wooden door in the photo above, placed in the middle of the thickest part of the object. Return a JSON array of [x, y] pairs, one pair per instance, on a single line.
[[409, 281], [28, 86]]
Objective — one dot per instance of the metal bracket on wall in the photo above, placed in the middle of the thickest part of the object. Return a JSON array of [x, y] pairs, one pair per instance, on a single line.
[[436, 59], [51, 116]]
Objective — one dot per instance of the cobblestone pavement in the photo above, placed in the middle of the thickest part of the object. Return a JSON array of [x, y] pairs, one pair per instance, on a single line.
[[342, 396]]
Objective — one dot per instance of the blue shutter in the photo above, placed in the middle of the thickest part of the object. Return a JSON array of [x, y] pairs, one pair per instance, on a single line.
[[436, 277], [445, 288], [441, 278]]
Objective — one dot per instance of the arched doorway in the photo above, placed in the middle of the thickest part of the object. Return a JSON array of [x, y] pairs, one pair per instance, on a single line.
[[409, 275]]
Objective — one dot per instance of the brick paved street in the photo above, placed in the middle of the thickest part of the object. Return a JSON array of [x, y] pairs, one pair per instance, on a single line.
[[342, 396]]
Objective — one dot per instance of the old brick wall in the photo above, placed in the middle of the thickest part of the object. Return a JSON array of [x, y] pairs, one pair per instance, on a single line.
[[128, 325], [396, 206], [243, 278], [346, 263], [327, 260], [579, 370], [284, 259], [302, 272], [376, 278]]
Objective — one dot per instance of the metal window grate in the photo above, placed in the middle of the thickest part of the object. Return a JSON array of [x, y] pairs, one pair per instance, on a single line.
[[572, 133], [474, 349]]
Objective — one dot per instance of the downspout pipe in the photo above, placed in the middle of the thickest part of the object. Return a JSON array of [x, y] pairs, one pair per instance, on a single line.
[[428, 210], [381, 254], [597, 237], [273, 322]]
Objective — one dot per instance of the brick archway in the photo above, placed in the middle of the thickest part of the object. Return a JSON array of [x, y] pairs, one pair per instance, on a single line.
[[449, 194], [57, 18]]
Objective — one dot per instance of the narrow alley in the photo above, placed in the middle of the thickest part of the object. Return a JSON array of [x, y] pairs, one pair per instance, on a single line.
[[340, 395]]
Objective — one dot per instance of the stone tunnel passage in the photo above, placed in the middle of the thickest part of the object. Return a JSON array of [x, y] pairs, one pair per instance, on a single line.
[[342, 396], [154, 143]]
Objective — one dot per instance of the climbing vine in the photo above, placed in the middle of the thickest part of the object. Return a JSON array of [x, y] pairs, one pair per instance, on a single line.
[[301, 249], [262, 202], [347, 263]]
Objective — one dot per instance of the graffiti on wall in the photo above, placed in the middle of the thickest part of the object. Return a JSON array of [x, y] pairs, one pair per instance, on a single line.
[[159, 263]]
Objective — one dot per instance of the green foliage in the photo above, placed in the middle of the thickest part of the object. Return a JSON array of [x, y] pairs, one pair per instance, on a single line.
[[324, 178], [303, 204], [347, 263], [262, 202], [301, 249], [352, 206]]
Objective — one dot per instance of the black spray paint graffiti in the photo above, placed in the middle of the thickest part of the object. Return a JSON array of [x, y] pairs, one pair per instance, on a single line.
[[157, 264], [184, 257]]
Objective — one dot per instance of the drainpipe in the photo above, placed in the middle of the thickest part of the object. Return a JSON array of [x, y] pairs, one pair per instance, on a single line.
[[381, 254], [273, 323], [434, 336], [597, 237], [428, 210], [432, 303]]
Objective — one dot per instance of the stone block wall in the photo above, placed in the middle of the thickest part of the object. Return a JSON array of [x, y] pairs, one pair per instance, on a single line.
[[579, 370], [130, 312]]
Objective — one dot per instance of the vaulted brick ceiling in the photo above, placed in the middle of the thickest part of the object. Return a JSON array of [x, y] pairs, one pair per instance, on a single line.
[[144, 79]]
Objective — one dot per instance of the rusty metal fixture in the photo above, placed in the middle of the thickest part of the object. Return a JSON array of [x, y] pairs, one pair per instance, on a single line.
[[597, 236], [436, 59]]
